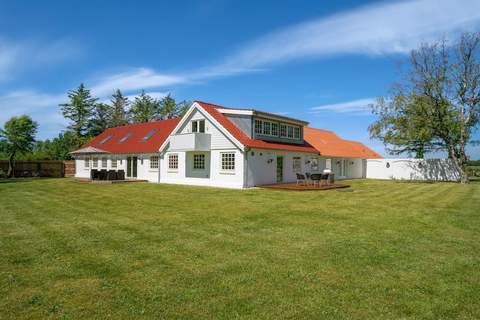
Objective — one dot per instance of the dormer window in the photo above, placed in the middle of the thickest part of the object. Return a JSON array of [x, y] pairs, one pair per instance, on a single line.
[[198, 126]]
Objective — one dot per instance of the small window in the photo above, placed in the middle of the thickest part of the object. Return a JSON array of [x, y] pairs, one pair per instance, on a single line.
[[95, 162], [149, 135], [283, 130], [290, 132], [274, 129], [106, 139], [113, 163], [173, 161], [266, 128], [258, 126], [154, 162], [228, 161], [199, 161], [296, 132], [198, 126], [297, 164], [125, 138], [86, 163], [104, 162], [314, 164]]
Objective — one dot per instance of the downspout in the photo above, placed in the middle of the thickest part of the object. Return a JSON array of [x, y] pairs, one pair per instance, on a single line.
[[245, 168]]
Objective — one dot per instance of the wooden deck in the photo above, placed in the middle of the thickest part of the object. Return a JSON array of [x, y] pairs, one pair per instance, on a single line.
[[86, 180], [302, 187]]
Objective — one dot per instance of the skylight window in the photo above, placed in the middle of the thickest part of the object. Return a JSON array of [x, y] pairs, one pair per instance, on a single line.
[[150, 134], [125, 138], [106, 139]]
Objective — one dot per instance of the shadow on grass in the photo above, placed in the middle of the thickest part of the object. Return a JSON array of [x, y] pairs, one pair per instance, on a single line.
[[18, 180]]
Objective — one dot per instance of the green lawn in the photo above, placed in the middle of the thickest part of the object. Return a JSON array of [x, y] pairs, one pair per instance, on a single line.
[[389, 250]]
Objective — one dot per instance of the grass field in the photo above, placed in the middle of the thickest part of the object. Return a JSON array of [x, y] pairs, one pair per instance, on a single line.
[[389, 250]]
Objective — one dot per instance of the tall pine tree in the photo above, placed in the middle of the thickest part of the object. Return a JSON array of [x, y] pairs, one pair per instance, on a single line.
[[79, 110], [101, 119], [145, 109], [120, 104]]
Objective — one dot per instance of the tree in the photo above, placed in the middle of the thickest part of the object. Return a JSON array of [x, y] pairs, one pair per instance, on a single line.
[[79, 110], [120, 104], [18, 135], [145, 109], [58, 148], [101, 119], [438, 105], [170, 109]]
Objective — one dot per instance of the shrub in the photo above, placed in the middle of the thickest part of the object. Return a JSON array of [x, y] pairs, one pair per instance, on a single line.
[[3, 174]]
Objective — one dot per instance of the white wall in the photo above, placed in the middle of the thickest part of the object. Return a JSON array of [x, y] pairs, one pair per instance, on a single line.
[[144, 172], [262, 166], [216, 178], [412, 169]]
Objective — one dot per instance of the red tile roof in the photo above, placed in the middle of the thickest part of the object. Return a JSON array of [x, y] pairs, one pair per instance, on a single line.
[[135, 143], [329, 144], [244, 139]]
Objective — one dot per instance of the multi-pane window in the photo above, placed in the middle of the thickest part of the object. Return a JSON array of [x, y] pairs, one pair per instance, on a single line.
[[266, 128], [86, 163], [258, 126], [104, 162], [274, 129], [95, 162], [289, 132], [296, 132], [173, 161], [297, 164], [228, 161], [199, 161], [114, 163], [154, 162], [198, 126], [283, 130]]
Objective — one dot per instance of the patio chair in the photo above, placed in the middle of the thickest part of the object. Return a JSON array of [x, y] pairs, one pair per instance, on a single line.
[[93, 174], [324, 178], [316, 177], [112, 175], [121, 175], [308, 175], [103, 174], [301, 179], [331, 178]]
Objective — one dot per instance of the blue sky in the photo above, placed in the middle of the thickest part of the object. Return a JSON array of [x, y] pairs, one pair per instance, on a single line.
[[321, 61]]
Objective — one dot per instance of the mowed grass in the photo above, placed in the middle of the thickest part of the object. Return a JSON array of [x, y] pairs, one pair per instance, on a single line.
[[389, 250]]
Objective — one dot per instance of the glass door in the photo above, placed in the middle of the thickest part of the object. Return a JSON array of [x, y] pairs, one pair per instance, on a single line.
[[131, 167], [279, 169]]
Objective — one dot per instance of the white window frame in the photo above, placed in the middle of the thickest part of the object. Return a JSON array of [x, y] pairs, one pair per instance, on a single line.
[[86, 163], [104, 162], [227, 162], [94, 162], [297, 164], [154, 162], [296, 132], [198, 161], [197, 122], [274, 131], [113, 163], [283, 130], [314, 164], [258, 126], [173, 160]]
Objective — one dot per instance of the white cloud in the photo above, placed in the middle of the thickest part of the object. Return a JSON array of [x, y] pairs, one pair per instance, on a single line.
[[355, 106], [42, 107], [17, 56], [134, 80], [391, 27]]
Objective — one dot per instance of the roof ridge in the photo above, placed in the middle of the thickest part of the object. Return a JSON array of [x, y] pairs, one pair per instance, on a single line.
[[142, 123]]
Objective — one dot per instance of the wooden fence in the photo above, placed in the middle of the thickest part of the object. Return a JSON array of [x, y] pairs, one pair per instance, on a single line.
[[41, 168]]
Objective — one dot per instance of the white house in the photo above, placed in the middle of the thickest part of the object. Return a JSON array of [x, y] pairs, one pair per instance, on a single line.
[[226, 147]]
